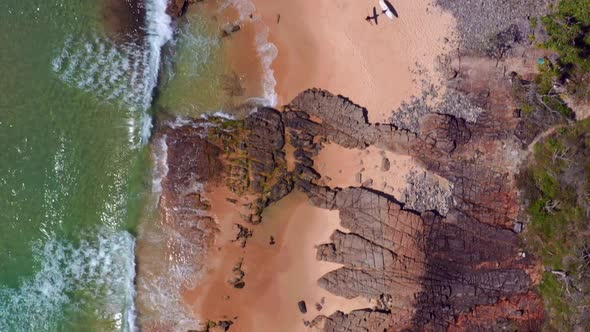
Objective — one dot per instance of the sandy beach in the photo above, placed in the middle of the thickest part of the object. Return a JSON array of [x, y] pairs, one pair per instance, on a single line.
[[278, 273], [328, 44]]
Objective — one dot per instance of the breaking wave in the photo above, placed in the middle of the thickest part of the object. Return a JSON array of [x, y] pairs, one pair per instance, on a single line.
[[123, 73]]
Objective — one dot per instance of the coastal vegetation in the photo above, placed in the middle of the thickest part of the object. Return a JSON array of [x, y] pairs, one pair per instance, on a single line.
[[568, 34], [556, 186], [556, 182]]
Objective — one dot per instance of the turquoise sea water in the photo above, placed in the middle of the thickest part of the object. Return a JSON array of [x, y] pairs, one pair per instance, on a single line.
[[74, 165]]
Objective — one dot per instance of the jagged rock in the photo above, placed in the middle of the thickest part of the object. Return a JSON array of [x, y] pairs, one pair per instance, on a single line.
[[460, 106], [238, 280], [430, 263], [343, 122], [225, 324]]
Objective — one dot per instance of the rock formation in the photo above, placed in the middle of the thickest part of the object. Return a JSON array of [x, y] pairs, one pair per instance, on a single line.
[[436, 269], [448, 263]]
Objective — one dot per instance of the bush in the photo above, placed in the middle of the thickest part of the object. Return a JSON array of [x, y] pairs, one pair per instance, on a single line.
[[554, 184], [568, 29]]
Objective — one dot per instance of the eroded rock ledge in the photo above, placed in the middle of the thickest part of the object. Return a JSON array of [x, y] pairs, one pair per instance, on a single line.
[[425, 271]]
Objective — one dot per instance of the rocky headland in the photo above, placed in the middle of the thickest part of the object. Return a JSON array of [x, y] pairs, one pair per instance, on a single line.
[[460, 268], [444, 255]]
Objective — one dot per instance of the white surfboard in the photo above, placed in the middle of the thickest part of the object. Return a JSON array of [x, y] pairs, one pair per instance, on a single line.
[[387, 11]]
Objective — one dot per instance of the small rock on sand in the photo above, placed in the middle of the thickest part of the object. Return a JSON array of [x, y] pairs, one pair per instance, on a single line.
[[385, 165], [302, 307]]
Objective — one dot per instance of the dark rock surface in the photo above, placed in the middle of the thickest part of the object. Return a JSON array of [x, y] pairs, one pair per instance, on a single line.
[[356, 321], [343, 122], [192, 160], [449, 265], [302, 307]]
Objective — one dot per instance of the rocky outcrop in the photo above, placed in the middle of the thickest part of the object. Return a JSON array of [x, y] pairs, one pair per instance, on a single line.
[[256, 159], [192, 161], [356, 321], [424, 192], [343, 122], [451, 262], [436, 270]]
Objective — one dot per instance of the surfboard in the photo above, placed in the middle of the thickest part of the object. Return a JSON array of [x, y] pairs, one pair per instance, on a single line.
[[387, 10]]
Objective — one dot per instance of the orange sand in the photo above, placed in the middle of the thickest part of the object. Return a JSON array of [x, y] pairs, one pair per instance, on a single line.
[[340, 167], [277, 276], [328, 44]]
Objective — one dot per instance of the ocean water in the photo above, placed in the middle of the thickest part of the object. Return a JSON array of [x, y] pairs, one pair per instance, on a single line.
[[75, 118]]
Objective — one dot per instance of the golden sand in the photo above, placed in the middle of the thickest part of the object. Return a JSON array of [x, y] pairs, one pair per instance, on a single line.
[[277, 276], [329, 45]]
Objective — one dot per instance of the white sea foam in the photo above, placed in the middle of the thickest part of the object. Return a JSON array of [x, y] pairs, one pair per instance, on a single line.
[[268, 53], [219, 114], [102, 268], [170, 269], [119, 73], [122, 74], [160, 155]]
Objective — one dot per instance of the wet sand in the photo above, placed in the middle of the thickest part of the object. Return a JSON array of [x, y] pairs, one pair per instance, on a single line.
[[328, 44], [246, 52], [277, 276]]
